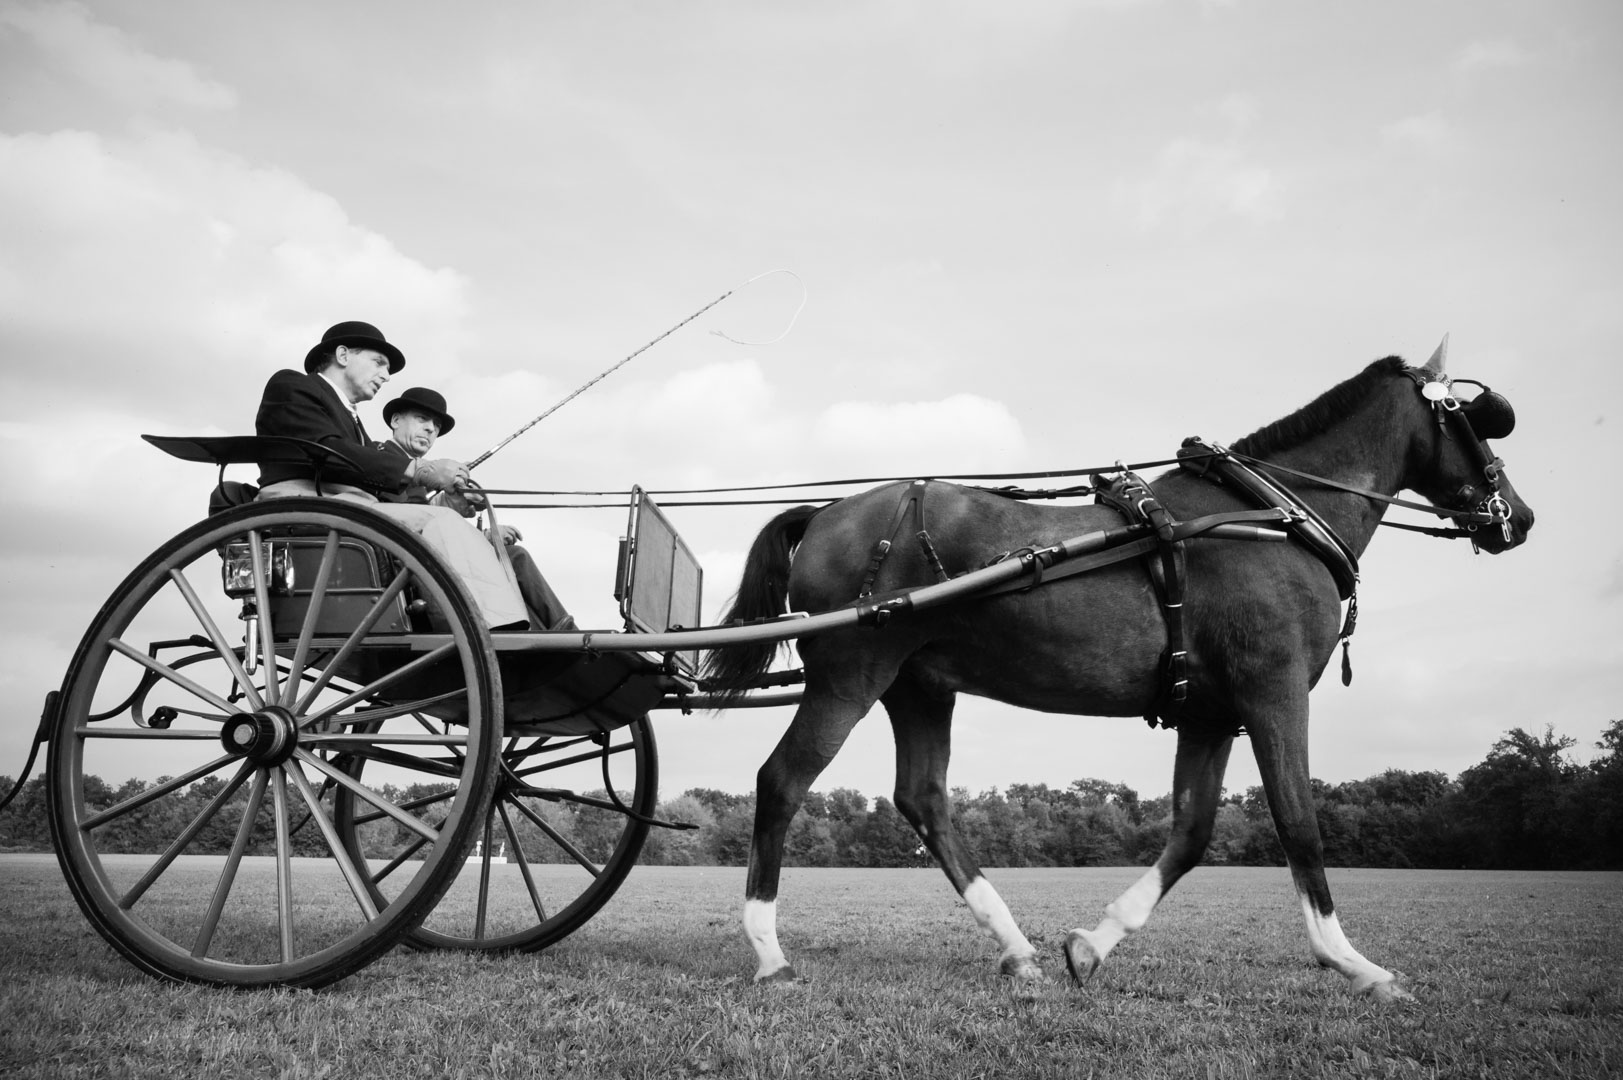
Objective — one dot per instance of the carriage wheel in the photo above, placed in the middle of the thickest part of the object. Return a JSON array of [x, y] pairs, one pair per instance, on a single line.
[[229, 869], [566, 824]]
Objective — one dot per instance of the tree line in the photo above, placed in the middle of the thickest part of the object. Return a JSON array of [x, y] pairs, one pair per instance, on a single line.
[[1526, 806]]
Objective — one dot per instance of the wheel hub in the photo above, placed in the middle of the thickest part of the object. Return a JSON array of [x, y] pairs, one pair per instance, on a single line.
[[267, 737]]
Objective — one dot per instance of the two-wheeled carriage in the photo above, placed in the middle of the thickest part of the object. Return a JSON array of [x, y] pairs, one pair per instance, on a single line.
[[350, 759]]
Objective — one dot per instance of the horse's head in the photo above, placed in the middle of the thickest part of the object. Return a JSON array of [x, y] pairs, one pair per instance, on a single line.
[[1451, 463]]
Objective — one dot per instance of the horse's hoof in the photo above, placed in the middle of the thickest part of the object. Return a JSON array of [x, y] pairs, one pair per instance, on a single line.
[[1081, 958], [1391, 990], [784, 976], [1022, 969]]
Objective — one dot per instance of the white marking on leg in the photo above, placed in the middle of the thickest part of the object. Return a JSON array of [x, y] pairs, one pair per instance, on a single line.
[[1085, 950], [761, 927], [1332, 949], [1017, 957]]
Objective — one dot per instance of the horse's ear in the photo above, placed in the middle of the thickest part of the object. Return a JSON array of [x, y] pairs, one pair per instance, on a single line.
[[1439, 359]]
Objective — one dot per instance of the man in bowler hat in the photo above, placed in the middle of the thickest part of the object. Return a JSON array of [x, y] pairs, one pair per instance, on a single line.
[[350, 365], [416, 419]]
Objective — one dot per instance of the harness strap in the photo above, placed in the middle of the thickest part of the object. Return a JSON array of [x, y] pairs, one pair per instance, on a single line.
[[1313, 531], [912, 499], [1078, 564], [1131, 497]]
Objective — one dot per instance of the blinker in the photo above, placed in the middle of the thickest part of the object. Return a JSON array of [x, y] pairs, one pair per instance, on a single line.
[[1490, 415]]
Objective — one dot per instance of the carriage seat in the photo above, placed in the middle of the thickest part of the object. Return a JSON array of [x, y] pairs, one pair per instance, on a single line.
[[223, 450]]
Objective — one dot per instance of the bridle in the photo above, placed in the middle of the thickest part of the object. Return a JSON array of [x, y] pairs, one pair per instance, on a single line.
[[1486, 416], [1472, 423]]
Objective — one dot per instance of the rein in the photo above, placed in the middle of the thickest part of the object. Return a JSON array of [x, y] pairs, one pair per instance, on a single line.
[[1479, 517]]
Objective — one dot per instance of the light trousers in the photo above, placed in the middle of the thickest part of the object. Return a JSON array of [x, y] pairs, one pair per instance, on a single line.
[[464, 550]]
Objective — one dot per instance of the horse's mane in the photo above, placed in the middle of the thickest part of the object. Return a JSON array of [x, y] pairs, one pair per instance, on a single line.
[[1313, 418]]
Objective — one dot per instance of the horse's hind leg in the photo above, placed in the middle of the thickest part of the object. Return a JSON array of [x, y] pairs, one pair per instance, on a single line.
[[1281, 750], [923, 727], [825, 717], [1197, 784]]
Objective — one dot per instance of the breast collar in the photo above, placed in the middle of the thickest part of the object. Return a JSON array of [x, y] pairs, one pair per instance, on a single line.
[[1307, 526]]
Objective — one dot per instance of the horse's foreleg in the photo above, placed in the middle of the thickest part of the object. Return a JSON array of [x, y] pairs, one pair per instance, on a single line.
[[816, 734], [1197, 783], [923, 727], [1282, 759]]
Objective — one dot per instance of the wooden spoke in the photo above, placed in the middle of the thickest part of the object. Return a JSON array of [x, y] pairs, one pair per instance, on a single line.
[[228, 874], [318, 596], [227, 652], [416, 825], [284, 864], [523, 863], [267, 637], [157, 791], [169, 673], [185, 838], [558, 838], [352, 876], [371, 689], [353, 642]]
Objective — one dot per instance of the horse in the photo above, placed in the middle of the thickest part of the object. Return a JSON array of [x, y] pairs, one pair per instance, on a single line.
[[1259, 623]]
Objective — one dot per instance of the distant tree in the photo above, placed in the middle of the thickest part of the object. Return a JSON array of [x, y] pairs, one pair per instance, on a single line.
[[25, 824], [730, 845], [1514, 802], [1598, 798], [887, 838], [846, 805], [719, 802], [1525, 806], [812, 841], [680, 847]]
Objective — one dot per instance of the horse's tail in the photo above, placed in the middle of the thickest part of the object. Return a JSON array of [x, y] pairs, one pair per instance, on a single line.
[[762, 594]]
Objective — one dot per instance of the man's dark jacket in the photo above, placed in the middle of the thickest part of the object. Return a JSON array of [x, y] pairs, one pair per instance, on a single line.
[[306, 406]]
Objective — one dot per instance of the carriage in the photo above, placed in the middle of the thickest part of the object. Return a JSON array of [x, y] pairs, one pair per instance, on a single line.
[[361, 716], [377, 768]]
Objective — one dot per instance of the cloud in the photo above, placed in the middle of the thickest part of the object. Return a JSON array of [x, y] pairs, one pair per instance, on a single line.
[[963, 427], [174, 277], [70, 42], [1196, 181], [1426, 132], [1486, 55]]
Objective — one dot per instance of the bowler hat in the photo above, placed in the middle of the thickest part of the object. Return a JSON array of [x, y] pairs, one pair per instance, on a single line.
[[354, 334], [422, 400]]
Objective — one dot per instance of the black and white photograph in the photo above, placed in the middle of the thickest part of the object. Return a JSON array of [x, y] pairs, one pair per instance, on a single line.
[[861, 539]]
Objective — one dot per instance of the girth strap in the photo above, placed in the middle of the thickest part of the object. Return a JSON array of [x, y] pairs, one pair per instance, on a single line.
[[1131, 497]]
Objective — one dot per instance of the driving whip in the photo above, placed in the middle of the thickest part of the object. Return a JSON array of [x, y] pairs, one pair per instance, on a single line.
[[622, 363]]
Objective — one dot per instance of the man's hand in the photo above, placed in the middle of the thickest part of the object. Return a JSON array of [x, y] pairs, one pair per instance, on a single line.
[[441, 474], [507, 534]]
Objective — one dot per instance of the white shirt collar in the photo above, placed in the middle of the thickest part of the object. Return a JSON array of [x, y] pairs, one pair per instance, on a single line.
[[339, 390]]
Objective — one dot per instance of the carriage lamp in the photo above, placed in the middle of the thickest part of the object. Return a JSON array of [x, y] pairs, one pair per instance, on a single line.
[[238, 572]]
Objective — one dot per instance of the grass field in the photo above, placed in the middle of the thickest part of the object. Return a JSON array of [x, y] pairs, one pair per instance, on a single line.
[[1517, 975]]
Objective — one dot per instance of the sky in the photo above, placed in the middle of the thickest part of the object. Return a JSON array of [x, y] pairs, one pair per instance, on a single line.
[[1027, 236]]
